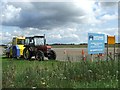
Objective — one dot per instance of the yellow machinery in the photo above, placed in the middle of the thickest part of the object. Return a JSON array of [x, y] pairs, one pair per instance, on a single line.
[[16, 50]]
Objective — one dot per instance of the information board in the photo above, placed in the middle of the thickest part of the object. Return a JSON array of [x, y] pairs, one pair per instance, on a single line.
[[96, 43], [111, 39]]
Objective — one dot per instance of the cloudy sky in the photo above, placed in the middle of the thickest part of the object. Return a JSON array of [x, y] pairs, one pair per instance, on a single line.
[[62, 22]]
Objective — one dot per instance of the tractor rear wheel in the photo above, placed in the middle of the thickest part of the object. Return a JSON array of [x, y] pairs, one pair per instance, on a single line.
[[27, 54], [39, 55], [51, 55]]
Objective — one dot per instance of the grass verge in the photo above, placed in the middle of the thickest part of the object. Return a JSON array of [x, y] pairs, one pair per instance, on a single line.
[[56, 74]]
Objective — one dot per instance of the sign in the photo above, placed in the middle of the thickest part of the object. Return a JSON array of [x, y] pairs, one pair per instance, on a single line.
[[111, 39], [96, 43]]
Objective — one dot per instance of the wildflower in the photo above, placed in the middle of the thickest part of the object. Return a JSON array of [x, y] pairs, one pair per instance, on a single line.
[[103, 78], [107, 85], [90, 71], [117, 80], [47, 85], [108, 72], [43, 83], [33, 87], [12, 85], [116, 71], [26, 76], [65, 78]]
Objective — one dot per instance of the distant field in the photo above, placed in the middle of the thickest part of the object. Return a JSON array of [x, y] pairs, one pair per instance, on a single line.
[[69, 46], [59, 74], [74, 46], [77, 46]]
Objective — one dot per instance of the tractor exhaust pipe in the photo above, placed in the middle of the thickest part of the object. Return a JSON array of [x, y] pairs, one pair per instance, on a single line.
[[44, 40]]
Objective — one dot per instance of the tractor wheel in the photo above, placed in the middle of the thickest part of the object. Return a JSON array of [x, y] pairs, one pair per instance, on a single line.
[[27, 54], [39, 56], [51, 55]]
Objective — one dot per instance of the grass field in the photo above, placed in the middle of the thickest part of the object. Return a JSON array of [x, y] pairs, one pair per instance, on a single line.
[[57, 74]]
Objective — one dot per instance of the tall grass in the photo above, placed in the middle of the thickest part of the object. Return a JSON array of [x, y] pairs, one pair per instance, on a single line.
[[56, 74]]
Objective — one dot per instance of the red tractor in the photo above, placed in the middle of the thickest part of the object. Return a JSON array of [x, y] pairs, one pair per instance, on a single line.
[[36, 46]]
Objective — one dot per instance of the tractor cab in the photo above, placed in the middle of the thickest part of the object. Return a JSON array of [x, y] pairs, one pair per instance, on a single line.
[[36, 46], [35, 41]]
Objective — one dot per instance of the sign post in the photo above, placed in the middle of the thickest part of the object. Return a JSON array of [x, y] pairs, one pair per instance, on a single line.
[[114, 51], [110, 40], [96, 43], [107, 47]]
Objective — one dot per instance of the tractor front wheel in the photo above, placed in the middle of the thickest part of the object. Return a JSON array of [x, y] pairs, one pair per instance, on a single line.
[[51, 55], [27, 54], [39, 56]]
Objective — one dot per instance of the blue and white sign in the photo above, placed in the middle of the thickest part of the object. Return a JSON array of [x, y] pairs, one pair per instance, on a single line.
[[96, 43]]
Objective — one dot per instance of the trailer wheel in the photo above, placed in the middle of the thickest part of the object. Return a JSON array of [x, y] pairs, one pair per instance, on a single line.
[[39, 55], [14, 52], [51, 55], [7, 55], [27, 54]]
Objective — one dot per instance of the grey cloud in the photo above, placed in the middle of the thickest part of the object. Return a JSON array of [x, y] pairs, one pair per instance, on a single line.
[[46, 15], [109, 4]]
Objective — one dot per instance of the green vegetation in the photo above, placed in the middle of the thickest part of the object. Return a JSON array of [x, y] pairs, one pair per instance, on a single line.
[[59, 74], [75, 46], [69, 46], [78, 46]]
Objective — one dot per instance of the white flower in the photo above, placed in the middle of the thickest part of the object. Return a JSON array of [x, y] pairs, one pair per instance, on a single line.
[[117, 80], [107, 85], [65, 78], [103, 78], [26, 76], [33, 87], [43, 83], [42, 78], [116, 71], [12, 85], [89, 70]]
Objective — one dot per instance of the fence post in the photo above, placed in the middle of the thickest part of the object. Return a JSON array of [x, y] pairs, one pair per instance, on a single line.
[[91, 57], [107, 47]]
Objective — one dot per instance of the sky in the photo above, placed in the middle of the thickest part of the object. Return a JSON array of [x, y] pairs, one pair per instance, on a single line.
[[61, 22]]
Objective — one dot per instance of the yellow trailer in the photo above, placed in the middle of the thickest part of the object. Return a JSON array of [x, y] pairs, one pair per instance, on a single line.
[[16, 50]]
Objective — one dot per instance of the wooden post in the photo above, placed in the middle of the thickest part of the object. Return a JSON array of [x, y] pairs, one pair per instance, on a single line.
[[107, 47], [91, 57], [114, 50]]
